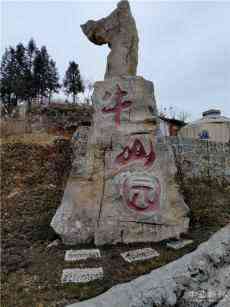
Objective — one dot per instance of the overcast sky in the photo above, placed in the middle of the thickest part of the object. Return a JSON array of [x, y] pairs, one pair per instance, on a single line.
[[184, 46]]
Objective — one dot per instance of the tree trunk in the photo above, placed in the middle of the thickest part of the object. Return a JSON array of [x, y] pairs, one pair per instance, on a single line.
[[50, 95], [74, 98], [29, 106], [28, 116]]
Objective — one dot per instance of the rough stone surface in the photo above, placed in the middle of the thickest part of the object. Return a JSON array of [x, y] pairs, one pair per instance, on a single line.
[[225, 301], [200, 158], [123, 189], [118, 30], [195, 158], [201, 278], [179, 244]]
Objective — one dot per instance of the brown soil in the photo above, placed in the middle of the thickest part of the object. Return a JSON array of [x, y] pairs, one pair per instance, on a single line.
[[33, 180]]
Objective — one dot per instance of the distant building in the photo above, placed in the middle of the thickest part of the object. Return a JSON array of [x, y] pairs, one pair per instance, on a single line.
[[170, 126], [212, 126]]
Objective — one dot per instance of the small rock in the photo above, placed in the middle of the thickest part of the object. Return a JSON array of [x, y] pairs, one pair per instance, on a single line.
[[52, 186], [179, 244], [54, 243], [12, 194]]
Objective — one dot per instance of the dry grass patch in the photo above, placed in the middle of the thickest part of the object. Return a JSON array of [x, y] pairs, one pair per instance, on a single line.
[[39, 138]]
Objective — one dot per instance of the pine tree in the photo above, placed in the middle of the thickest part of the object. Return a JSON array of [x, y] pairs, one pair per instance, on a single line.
[[72, 82], [31, 53], [40, 64], [5, 85], [26, 73], [8, 79], [15, 74], [53, 78], [45, 74], [22, 73]]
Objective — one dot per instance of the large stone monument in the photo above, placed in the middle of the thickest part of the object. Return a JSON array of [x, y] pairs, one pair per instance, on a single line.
[[124, 189]]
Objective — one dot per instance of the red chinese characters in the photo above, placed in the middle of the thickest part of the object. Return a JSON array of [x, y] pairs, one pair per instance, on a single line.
[[120, 105], [142, 194], [136, 152]]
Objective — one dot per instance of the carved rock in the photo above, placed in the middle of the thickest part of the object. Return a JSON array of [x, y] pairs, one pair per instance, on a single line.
[[123, 190], [118, 30]]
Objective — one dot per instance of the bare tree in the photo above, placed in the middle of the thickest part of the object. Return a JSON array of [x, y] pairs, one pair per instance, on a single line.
[[88, 91], [173, 112]]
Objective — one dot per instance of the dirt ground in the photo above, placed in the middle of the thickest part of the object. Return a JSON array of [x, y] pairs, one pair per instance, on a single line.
[[33, 176]]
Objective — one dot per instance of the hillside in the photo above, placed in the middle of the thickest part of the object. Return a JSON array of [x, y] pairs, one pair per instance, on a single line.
[[34, 174]]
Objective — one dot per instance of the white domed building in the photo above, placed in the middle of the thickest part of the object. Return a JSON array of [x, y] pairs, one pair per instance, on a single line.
[[212, 126]]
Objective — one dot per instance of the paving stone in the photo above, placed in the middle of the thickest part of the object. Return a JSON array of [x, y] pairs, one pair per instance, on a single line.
[[75, 255], [140, 254], [81, 275]]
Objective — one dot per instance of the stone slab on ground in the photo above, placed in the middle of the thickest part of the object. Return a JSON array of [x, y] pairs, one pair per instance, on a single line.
[[82, 254], [81, 275], [140, 254], [179, 244]]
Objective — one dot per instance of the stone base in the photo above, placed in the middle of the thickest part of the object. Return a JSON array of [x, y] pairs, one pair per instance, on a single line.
[[132, 232]]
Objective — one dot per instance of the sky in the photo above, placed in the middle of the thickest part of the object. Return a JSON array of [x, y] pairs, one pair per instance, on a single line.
[[184, 46]]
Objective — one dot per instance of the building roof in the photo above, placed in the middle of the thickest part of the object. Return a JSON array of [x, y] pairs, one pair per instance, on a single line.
[[210, 116], [174, 121]]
